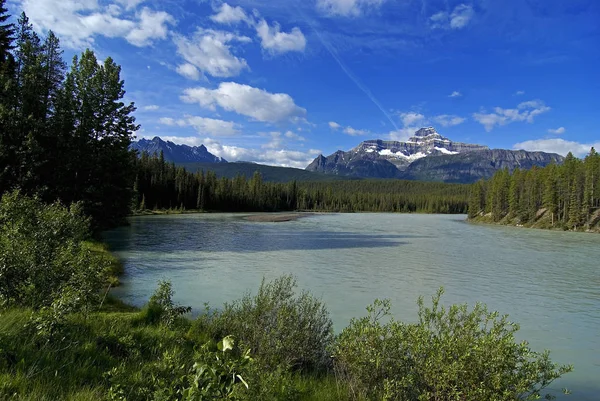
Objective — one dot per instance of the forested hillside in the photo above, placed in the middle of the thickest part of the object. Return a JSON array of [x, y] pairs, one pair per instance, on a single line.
[[64, 135], [162, 185], [565, 196]]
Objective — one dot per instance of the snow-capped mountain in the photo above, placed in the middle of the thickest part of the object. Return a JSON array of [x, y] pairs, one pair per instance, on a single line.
[[427, 155], [176, 153], [425, 142]]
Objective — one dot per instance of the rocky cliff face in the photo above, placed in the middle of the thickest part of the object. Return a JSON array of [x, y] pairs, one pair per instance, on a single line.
[[473, 166], [427, 156], [176, 153]]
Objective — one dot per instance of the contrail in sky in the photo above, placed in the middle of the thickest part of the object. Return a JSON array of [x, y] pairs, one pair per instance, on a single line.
[[347, 70]]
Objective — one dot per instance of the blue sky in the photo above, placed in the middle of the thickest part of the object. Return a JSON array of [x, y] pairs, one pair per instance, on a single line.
[[279, 82]]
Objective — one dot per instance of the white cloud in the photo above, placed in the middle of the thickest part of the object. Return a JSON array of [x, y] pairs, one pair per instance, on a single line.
[[276, 141], [402, 134], [294, 136], [204, 126], [355, 132], [457, 19], [210, 51], [230, 15], [455, 94], [413, 121], [411, 118], [276, 42], [130, 4], [461, 16], [519, 93], [189, 71], [151, 107], [78, 22], [446, 120], [277, 157], [246, 100], [557, 145], [347, 8], [348, 130], [526, 111], [334, 126], [557, 131], [152, 25]]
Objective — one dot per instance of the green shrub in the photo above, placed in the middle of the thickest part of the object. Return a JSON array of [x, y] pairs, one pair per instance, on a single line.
[[43, 263], [450, 354], [161, 308], [281, 328]]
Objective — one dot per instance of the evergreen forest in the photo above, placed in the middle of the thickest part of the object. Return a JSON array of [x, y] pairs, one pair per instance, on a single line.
[[161, 185], [563, 196]]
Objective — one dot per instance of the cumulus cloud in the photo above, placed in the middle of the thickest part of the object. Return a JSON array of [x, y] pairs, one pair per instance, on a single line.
[[347, 8], [294, 136], [355, 132], [525, 111], [557, 131], [519, 93], [209, 51], [230, 15], [402, 134], [271, 156], [189, 71], [130, 4], [455, 94], [78, 22], [334, 126], [151, 107], [246, 100], [276, 42], [413, 121], [457, 19], [151, 25], [447, 120], [204, 126], [348, 130], [557, 145], [411, 118]]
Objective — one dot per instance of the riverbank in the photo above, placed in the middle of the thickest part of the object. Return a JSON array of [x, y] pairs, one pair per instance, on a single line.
[[542, 221], [276, 217]]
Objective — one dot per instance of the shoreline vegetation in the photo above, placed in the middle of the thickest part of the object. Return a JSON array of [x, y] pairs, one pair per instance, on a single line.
[[561, 197], [62, 336]]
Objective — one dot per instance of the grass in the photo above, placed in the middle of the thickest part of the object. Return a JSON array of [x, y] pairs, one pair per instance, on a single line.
[[115, 268], [75, 365]]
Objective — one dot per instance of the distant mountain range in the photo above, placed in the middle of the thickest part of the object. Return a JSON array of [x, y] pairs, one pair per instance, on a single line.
[[426, 156], [175, 153]]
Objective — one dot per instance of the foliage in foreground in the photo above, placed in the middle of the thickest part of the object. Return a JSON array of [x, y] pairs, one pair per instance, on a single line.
[[57, 341], [44, 262], [284, 329], [450, 354]]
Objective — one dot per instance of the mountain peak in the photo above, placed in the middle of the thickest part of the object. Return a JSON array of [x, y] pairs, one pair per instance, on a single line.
[[176, 153], [427, 134]]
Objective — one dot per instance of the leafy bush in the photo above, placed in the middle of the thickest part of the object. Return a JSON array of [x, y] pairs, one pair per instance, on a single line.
[[281, 328], [450, 354], [43, 263], [161, 308], [217, 374]]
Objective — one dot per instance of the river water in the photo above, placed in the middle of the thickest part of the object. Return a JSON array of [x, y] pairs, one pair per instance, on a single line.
[[549, 282]]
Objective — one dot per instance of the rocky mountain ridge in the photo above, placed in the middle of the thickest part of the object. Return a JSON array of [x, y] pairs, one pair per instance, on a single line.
[[176, 153], [427, 156]]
